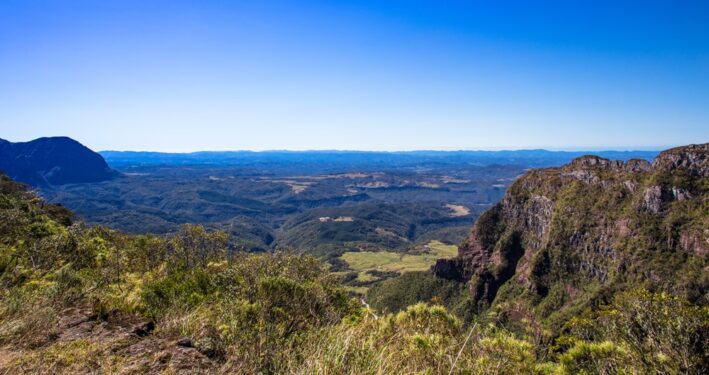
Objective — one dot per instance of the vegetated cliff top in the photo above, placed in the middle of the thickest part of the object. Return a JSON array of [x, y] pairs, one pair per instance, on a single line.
[[692, 158], [563, 239], [52, 161]]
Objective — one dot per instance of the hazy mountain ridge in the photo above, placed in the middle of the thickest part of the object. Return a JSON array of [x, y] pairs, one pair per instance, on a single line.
[[322, 161]]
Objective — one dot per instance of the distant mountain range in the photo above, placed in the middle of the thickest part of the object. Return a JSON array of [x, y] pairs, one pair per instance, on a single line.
[[62, 160], [52, 161], [332, 161]]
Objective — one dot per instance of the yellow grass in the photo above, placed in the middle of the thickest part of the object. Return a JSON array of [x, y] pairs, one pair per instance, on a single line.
[[399, 262]]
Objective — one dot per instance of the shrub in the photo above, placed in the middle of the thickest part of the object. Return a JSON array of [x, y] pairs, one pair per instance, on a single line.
[[656, 332]]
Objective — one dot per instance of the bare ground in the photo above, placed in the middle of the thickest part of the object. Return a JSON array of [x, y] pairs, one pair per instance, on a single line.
[[83, 343]]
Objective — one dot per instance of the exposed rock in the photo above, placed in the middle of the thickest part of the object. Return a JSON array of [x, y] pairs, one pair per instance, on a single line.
[[594, 271], [537, 218], [451, 269], [586, 168], [185, 342], [589, 161], [637, 165], [653, 197], [586, 176], [118, 335], [694, 243], [680, 194], [209, 346], [153, 355], [143, 329], [630, 185], [493, 263], [693, 159]]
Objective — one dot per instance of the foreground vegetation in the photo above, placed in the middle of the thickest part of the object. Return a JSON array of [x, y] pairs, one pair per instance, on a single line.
[[76, 299]]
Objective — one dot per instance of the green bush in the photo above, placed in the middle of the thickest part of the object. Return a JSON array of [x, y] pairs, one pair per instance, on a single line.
[[396, 294], [655, 332]]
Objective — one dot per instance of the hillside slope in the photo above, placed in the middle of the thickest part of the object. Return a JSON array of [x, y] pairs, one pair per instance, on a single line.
[[563, 239], [52, 161]]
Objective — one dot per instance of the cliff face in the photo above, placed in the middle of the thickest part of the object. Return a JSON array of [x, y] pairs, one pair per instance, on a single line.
[[562, 237], [52, 161]]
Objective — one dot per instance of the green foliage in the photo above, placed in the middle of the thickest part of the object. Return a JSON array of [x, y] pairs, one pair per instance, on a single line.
[[194, 246], [251, 307], [393, 262], [421, 339], [589, 231], [285, 313], [655, 332], [597, 358], [397, 294], [279, 207], [490, 226]]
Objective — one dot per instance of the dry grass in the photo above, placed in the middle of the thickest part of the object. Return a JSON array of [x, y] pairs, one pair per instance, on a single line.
[[399, 262]]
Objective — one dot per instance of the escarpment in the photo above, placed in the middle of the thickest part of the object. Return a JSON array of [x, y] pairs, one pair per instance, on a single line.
[[563, 237]]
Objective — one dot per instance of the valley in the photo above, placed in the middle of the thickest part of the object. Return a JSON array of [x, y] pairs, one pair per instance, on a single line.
[[549, 274], [397, 212], [386, 215], [320, 213]]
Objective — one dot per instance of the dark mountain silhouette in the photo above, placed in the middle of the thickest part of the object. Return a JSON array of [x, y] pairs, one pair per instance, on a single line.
[[52, 161]]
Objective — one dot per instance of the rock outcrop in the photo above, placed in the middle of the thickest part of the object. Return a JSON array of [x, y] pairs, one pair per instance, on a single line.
[[52, 161], [694, 159], [562, 237]]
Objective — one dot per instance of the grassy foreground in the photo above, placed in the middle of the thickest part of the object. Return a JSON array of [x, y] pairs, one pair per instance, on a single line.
[[75, 299]]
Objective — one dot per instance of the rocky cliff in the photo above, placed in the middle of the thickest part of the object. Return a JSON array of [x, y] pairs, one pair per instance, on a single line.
[[562, 238], [52, 161]]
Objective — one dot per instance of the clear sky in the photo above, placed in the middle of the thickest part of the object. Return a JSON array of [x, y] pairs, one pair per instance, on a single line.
[[370, 75]]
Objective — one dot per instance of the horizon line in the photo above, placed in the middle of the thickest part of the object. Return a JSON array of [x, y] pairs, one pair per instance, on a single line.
[[637, 148], [574, 150]]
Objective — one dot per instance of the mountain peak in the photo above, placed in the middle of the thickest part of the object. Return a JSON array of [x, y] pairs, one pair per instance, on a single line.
[[587, 161], [52, 161]]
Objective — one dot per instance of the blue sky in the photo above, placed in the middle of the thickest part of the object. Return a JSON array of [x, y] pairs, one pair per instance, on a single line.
[[368, 75]]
